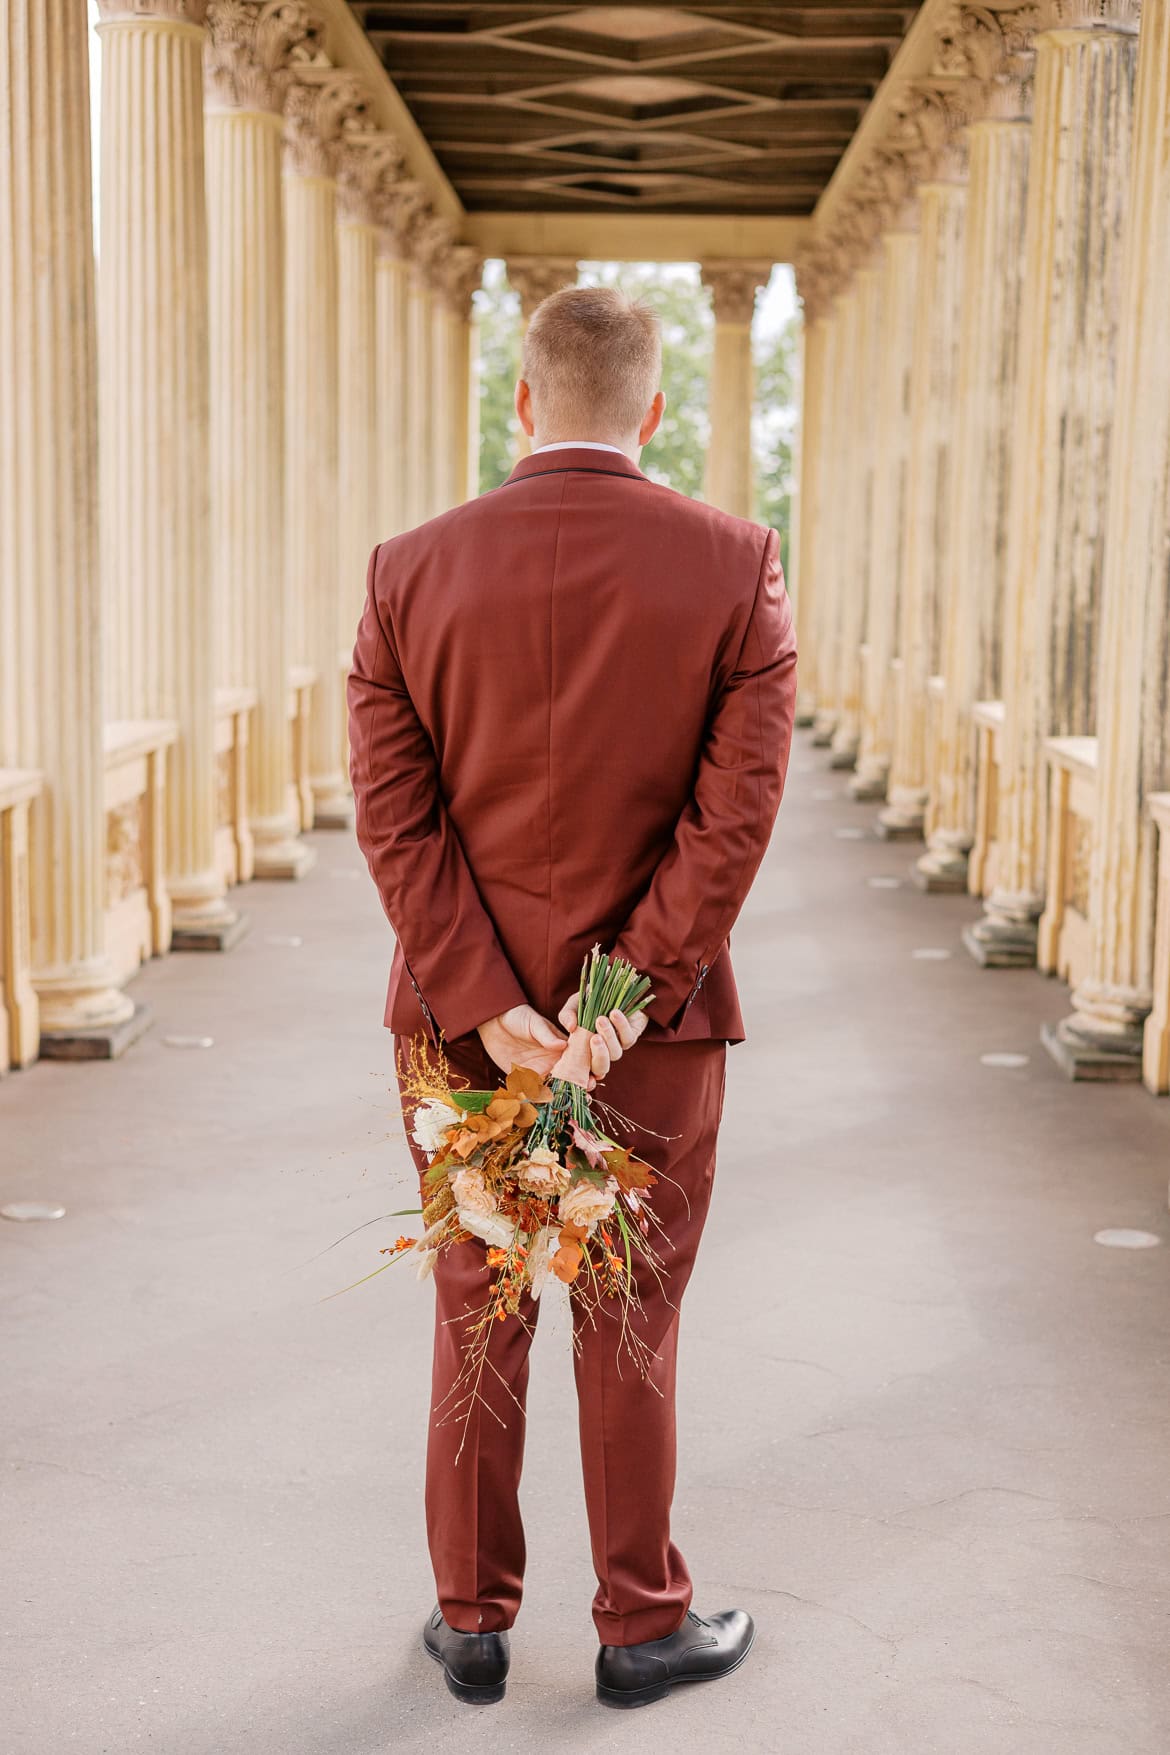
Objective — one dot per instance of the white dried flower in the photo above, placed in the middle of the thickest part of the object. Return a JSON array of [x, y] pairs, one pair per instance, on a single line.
[[431, 1121], [493, 1228]]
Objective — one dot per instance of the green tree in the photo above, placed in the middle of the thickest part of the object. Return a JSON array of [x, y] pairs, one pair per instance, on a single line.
[[497, 309]]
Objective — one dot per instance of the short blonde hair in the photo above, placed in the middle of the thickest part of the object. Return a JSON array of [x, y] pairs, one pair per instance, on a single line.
[[592, 359]]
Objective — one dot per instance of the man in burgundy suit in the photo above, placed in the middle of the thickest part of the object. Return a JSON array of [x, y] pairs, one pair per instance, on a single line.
[[570, 711]]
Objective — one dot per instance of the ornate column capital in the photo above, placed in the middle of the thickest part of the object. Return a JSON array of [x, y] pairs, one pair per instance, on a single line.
[[177, 11], [324, 107], [402, 204], [734, 286], [536, 278], [365, 165], [430, 243], [1105, 15], [461, 273], [251, 48]]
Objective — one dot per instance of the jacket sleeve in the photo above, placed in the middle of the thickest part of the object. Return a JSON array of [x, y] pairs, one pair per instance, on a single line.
[[453, 956], [682, 921]]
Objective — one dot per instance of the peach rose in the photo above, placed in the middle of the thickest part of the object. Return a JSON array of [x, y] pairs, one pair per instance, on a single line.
[[471, 1192], [542, 1173], [586, 1204]]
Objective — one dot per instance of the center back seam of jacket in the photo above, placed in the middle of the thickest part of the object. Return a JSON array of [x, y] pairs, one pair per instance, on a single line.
[[549, 796]]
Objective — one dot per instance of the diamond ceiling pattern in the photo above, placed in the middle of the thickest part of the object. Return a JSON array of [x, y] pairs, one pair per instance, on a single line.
[[658, 109]]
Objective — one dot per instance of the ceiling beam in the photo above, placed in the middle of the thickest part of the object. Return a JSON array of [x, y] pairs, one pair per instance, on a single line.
[[637, 237]]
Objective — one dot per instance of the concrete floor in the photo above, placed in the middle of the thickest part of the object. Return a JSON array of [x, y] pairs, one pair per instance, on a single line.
[[924, 1416]]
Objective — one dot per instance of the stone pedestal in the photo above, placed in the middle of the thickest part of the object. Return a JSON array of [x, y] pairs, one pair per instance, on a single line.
[[50, 613], [984, 465], [155, 453], [728, 481], [929, 484], [247, 74], [1103, 1036], [1078, 178], [891, 445]]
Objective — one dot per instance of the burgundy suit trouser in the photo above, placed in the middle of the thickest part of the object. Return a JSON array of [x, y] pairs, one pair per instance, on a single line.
[[673, 1091]]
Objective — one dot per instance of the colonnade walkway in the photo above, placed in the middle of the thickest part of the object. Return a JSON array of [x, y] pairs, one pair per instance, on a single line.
[[923, 1413]]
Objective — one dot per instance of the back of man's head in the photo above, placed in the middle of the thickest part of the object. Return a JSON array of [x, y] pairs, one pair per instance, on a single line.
[[592, 360]]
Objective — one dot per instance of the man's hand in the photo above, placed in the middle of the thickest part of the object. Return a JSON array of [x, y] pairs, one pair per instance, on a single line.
[[612, 1036], [521, 1037]]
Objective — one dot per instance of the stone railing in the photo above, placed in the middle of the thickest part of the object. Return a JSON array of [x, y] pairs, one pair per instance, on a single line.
[[987, 717], [234, 856], [19, 1011], [1156, 1043], [138, 908], [301, 679], [1063, 946]]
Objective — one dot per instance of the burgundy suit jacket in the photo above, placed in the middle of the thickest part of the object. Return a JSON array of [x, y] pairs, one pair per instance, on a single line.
[[570, 712]]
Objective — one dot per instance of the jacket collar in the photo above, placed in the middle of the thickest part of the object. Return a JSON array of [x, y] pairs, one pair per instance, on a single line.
[[575, 458]]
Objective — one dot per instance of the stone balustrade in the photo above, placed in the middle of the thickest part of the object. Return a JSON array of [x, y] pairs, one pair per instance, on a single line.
[[138, 914], [1064, 942], [19, 1010], [1156, 1035]]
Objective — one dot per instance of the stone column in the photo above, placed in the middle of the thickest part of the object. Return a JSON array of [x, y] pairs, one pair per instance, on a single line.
[[807, 580], [536, 278], [363, 163], [247, 72], [1103, 1037], [418, 395], [1078, 181], [728, 479], [830, 478], [867, 322], [929, 482], [402, 204], [50, 615], [323, 106], [891, 446], [464, 271], [155, 451], [441, 472], [999, 144]]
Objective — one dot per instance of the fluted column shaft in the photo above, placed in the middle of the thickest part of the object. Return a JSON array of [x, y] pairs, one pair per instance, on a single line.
[[891, 449], [311, 518], [984, 464], [154, 422], [246, 281], [929, 491], [728, 477], [1078, 180], [391, 355], [440, 489], [829, 483], [50, 612], [418, 397], [1133, 677], [357, 428], [461, 343], [807, 575], [867, 323]]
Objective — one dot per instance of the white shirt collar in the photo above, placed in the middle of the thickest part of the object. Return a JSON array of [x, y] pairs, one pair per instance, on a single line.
[[579, 445]]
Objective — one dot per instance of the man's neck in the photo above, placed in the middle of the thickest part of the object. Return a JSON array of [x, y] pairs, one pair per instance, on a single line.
[[542, 444]]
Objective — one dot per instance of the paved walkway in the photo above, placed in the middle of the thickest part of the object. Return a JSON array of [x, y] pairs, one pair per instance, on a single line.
[[924, 1415]]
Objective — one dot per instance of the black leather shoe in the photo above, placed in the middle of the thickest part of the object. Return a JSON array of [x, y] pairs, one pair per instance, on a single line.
[[701, 1650], [475, 1664]]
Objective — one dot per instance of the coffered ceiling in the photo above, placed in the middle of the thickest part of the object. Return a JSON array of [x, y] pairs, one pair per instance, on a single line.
[[640, 110]]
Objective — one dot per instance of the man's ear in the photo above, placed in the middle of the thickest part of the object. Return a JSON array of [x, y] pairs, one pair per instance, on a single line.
[[524, 407], [653, 419]]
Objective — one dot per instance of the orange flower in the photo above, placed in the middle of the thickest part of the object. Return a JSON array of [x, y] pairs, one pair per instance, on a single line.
[[566, 1263], [496, 1257], [405, 1243]]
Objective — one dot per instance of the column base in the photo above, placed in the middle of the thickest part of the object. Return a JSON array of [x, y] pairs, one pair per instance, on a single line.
[[1002, 944], [98, 1042], [843, 749], [904, 818], [1081, 1058], [942, 871], [209, 935], [279, 854], [869, 783], [824, 725], [332, 804], [805, 710], [804, 718]]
